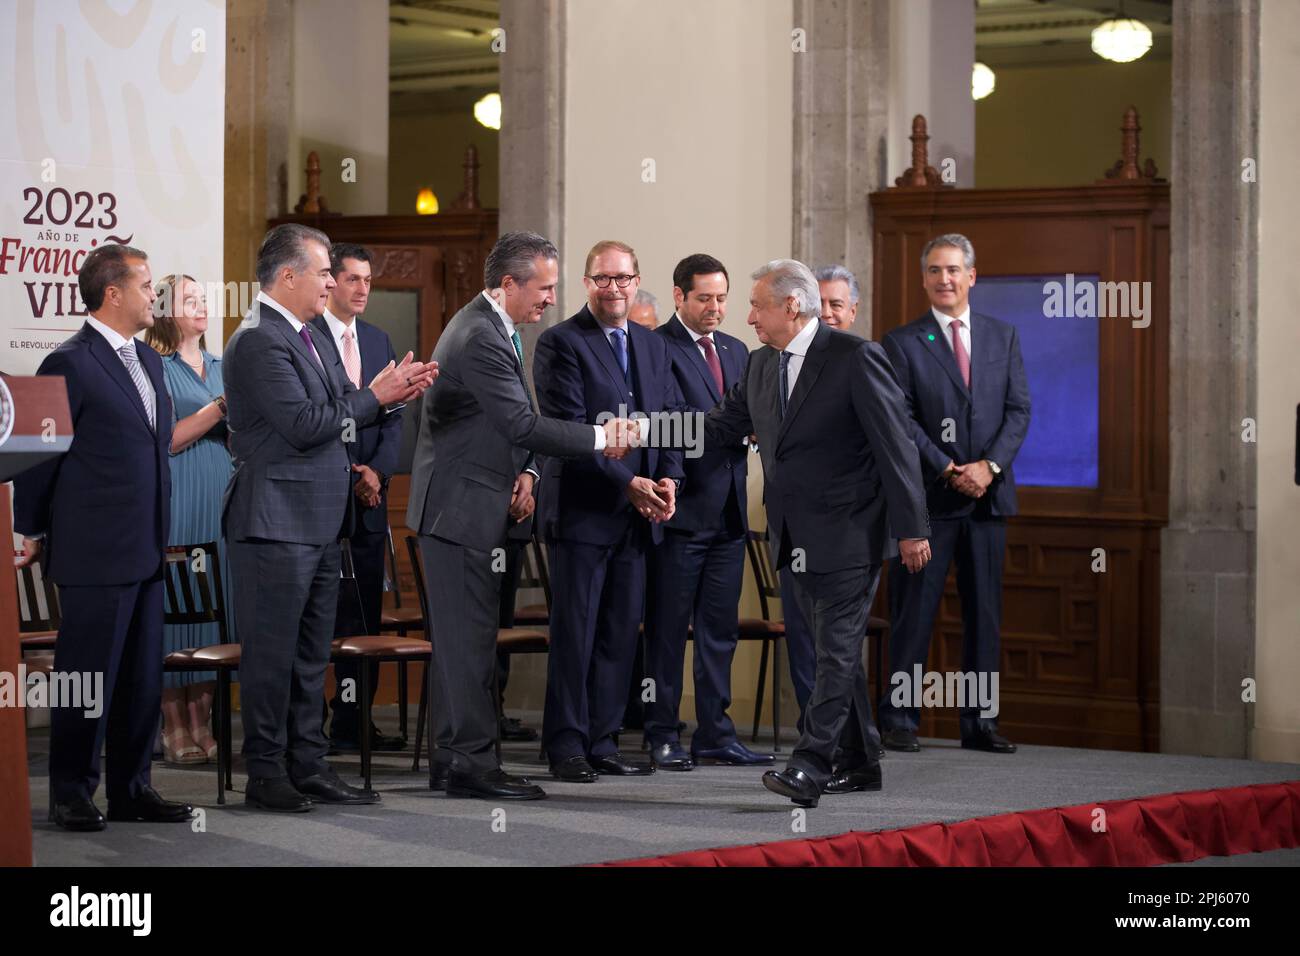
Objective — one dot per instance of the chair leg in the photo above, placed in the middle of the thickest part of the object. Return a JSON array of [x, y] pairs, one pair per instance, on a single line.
[[776, 697], [401, 698], [364, 732], [758, 694], [221, 703], [880, 669], [420, 717], [227, 717]]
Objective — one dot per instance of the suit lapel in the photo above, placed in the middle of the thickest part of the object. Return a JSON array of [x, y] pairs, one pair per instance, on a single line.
[[683, 340], [490, 316], [765, 385], [107, 358], [733, 362], [935, 341], [808, 373], [298, 345]]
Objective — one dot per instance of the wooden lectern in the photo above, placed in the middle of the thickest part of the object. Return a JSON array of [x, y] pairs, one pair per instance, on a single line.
[[35, 425]]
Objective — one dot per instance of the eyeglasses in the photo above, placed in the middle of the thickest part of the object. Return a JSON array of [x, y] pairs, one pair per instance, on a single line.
[[602, 282]]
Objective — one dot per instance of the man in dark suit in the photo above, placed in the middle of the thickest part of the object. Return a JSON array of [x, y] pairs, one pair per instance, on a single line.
[[599, 516], [965, 383], [697, 572], [839, 300], [471, 488], [842, 484], [364, 350], [100, 514], [289, 501]]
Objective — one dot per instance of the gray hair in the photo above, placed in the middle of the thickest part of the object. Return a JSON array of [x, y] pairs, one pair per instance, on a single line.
[[838, 273], [792, 278], [954, 240], [286, 246], [514, 255], [645, 298]]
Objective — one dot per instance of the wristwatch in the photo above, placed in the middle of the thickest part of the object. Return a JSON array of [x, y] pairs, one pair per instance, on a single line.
[[994, 467]]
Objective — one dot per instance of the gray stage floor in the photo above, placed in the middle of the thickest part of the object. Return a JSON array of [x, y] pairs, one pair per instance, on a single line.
[[618, 818]]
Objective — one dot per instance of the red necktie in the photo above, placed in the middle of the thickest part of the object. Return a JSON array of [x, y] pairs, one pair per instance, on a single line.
[[959, 352], [711, 360]]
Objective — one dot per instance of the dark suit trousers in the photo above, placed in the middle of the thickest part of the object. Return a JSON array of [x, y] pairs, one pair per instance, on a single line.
[[839, 710], [463, 609], [695, 578], [288, 595], [802, 651], [977, 544], [360, 604], [114, 631], [598, 596]]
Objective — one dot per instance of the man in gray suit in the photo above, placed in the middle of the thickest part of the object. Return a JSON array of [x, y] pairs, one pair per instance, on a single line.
[[472, 480], [292, 410]]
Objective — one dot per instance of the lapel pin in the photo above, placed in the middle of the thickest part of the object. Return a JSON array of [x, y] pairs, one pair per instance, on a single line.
[[930, 336]]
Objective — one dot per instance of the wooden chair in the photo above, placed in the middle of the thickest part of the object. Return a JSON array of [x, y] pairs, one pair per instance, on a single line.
[[192, 580], [376, 649], [767, 629], [534, 575], [37, 629], [510, 640]]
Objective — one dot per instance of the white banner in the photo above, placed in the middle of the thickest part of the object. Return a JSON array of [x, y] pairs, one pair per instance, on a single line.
[[111, 130]]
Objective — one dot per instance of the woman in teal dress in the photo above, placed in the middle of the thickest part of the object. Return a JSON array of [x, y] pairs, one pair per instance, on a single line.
[[201, 467]]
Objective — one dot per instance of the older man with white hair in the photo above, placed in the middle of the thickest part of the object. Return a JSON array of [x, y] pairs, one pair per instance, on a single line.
[[843, 492]]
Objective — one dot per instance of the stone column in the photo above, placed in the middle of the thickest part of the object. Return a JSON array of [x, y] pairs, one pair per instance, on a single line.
[[841, 110], [258, 101], [1208, 567]]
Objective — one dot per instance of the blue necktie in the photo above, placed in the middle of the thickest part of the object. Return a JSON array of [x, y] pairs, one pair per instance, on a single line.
[[785, 380], [620, 348]]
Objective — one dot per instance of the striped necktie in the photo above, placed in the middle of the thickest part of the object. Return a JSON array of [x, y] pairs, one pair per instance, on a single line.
[[132, 362]]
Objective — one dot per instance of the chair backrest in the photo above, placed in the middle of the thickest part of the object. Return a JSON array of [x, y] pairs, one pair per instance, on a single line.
[[760, 560], [192, 579], [533, 572], [417, 569], [38, 605]]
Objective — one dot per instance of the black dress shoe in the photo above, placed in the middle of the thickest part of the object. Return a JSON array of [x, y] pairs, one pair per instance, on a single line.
[[438, 776], [903, 741], [795, 784], [990, 741], [275, 794], [574, 770], [617, 765], [328, 788], [672, 756], [492, 785], [734, 754], [149, 807], [864, 777], [513, 729], [78, 814]]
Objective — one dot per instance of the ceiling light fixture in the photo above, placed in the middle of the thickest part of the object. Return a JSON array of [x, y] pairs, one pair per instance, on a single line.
[[1121, 40], [488, 111], [982, 81]]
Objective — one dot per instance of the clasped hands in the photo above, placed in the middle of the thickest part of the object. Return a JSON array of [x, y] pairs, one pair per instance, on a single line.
[[654, 500], [403, 381], [971, 479]]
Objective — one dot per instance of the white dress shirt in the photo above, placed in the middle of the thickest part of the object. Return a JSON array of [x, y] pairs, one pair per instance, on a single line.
[[798, 348], [695, 337], [115, 341], [510, 331], [293, 319], [945, 323]]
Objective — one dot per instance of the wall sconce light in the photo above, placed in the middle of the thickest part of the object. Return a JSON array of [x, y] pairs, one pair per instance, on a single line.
[[426, 204]]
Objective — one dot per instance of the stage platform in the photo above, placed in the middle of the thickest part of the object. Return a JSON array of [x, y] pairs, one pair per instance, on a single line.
[[632, 818]]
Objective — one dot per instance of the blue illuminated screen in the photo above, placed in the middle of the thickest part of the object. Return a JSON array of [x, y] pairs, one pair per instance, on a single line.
[[1061, 358]]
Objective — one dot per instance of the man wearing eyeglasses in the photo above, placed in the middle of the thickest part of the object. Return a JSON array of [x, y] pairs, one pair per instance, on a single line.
[[599, 516]]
